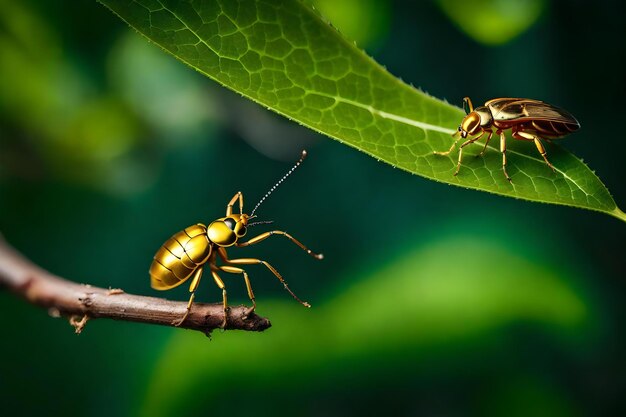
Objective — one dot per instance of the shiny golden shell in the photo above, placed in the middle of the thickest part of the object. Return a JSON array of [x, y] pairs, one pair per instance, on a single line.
[[179, 257], [220, 234], [524, 109], [226, 230], [471, 123]]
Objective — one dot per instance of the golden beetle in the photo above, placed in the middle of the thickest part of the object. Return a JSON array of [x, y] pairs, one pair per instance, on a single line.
[[189, 251], [528, 119]]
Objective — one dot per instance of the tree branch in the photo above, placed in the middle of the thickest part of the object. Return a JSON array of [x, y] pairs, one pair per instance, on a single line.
[[81, 302]]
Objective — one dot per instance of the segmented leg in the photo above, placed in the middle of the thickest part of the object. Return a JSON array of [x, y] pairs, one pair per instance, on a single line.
[[254, 261], [192, 289], [220, 284], [467, 142], [265, 235], [529, 136], [464, 144], [231, 203], [444, 153], [235, 270], [486, 143], [503, 150]]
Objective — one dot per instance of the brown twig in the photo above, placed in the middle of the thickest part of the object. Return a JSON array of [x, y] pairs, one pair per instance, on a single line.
[[82, 302]]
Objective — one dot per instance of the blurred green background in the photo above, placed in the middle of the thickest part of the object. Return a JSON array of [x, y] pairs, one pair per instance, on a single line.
[[431, 301]]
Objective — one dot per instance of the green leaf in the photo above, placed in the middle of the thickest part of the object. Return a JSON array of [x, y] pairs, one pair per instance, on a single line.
[[283, 55]]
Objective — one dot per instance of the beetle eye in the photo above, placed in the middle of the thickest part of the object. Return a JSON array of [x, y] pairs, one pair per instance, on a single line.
[[230, 223], [459, 128], [241, 231]]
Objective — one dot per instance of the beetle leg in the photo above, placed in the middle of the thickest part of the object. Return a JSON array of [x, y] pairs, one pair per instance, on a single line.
[[192, 289], [542, 151], [486, 143], [265, 235], [444, 153], [235, 270], [231, 203], [538, 144], [467, 142], [253, 261], [503, 150], [220, 284]]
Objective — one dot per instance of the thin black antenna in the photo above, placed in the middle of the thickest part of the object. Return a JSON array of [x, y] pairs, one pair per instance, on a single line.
[[279, 182], [262, 222]]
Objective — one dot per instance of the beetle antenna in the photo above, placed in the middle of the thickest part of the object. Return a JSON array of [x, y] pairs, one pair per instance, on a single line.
[[467, 101], [280, 181], [261, 222]]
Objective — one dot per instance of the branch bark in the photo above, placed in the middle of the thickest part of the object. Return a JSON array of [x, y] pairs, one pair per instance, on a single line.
[[81, 302]]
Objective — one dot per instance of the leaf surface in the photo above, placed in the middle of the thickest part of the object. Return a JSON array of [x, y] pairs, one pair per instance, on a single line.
[[285, 56]]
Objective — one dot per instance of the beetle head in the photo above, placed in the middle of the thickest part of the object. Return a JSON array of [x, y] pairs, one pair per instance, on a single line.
[[226, 231], [470, 124]]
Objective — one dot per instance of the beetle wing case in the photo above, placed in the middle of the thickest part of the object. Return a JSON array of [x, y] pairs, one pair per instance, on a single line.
[[179, 257]]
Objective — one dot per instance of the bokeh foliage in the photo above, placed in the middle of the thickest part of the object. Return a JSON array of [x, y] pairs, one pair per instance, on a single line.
[[398, 318], [493, 22]]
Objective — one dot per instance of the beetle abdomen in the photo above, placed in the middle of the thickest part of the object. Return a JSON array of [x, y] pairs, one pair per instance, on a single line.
[[548, 128], [179, 257]]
